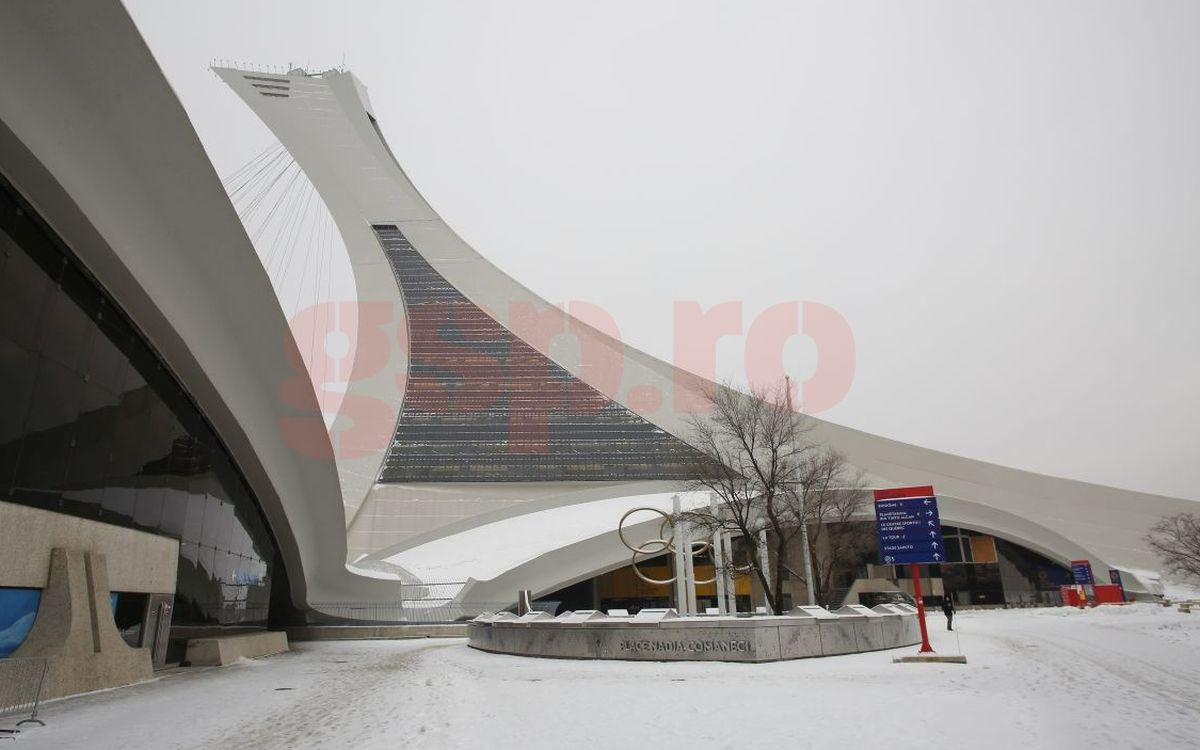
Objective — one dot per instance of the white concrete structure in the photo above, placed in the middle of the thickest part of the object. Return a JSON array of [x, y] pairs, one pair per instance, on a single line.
[[93, 137], [325, 120]]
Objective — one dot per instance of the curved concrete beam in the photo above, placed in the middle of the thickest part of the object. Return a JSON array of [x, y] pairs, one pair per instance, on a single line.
[[604, 552], [95, 139]]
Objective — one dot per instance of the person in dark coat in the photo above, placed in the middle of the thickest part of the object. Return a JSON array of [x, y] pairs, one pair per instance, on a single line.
[[948, 609]]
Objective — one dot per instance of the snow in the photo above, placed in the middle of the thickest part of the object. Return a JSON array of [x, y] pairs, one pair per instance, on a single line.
[[1170, 586], [487, 551], [1125, 677]]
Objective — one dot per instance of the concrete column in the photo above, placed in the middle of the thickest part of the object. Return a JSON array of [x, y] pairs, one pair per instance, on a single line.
[[809, 588], [809, 584], [730, 588], [718, 551], [75, 632], [680, 565], [689, 568], [764, 560]]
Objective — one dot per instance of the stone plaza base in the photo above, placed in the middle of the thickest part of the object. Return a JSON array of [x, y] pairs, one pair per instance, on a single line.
[[931, 659], [662, 635]]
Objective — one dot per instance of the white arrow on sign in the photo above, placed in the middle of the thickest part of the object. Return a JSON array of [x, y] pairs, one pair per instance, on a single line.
[[935, 545], [929, 512], [933, 535], [928, 501], [930, 523], [936, 556]]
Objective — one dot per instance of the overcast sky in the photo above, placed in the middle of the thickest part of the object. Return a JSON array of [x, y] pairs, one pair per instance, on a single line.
[[1002, 199]]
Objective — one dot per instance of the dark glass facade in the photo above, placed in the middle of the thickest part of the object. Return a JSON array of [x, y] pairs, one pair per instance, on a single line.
[[93, 424], [1013, 575], [481, 405]]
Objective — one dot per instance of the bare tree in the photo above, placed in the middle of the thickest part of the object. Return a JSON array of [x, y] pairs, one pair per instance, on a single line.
[[836, 499], [769, 475], [1176, 539]]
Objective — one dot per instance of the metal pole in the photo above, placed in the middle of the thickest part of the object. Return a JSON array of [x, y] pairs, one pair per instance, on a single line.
[[718, 551], [916, 574]]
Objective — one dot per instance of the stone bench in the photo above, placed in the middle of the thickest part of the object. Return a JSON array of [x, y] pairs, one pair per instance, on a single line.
[[218, 651]]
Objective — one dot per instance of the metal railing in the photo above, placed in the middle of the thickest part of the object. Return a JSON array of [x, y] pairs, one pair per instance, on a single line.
[[21, 683], [419, 603], [399, 613]]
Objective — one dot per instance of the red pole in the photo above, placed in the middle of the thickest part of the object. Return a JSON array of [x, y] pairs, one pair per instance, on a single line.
[[916, 574]]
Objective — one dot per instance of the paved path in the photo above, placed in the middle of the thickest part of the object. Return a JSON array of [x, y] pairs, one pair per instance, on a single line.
[[1036, 679]]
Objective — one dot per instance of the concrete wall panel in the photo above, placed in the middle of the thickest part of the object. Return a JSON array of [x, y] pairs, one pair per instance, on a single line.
[[137, 561]]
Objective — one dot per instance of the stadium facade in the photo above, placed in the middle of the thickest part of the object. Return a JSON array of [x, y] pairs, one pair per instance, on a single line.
[[145, 357]]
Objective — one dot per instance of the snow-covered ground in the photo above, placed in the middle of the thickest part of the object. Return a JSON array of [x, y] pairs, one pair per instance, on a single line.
[[1116, 677]]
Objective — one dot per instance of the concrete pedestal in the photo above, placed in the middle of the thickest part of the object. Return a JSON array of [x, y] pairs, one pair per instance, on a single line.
[[664, 636], [75, 632]]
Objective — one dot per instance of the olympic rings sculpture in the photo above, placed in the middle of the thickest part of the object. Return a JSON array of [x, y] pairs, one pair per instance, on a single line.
[[660, 545]]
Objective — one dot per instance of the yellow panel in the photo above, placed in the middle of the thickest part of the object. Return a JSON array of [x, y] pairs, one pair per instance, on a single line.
[[741, 585], [983, 549], [703, 573], [623, 583]]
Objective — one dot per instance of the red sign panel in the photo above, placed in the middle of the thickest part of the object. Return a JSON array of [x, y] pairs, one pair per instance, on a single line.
[[897, 493]]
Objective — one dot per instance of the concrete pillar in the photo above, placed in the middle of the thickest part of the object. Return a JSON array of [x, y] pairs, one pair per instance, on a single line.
[[680, 565], [718, 551], [75, 631], [730, 587], [764, 560], [689, 568], [810, 589]]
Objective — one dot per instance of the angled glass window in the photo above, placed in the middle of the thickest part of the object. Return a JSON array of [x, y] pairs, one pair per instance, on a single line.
[[483, 405], [94, 425]]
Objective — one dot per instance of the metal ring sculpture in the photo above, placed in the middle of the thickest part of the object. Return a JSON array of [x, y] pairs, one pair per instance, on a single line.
[[660, 545]]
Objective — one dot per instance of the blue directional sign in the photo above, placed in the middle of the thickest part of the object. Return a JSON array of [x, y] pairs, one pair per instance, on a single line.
[[1081, 572], [908, 525]]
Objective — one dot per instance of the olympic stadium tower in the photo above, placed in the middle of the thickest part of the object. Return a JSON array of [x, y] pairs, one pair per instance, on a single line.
[[474, 401]]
